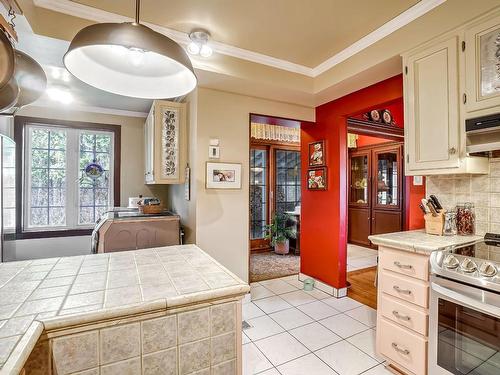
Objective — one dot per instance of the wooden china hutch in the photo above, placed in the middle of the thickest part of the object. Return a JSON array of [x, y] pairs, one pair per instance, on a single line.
[[375, 191]]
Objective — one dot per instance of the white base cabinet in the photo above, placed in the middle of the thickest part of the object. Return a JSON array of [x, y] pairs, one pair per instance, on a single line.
[[165, 143], [402, 311]]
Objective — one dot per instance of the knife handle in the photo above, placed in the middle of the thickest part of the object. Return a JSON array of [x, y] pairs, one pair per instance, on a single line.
[[436, 202]]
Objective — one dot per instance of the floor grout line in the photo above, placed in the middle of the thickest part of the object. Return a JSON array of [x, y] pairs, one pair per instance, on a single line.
[[309, 351]]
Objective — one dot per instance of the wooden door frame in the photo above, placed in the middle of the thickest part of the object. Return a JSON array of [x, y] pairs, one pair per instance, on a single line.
[[392, 141]]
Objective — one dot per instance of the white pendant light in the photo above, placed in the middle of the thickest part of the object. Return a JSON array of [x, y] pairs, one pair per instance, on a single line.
[[130, 59]]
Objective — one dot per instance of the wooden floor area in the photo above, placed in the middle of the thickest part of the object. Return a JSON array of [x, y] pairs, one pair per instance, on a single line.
[[362, 288]]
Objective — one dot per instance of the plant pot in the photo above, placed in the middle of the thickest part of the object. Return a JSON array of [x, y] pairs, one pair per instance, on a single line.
[[282, 248]]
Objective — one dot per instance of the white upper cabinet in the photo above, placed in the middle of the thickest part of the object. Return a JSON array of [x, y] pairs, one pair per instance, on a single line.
[[432, 107], [165, 143], [482, 61], [447, 80]]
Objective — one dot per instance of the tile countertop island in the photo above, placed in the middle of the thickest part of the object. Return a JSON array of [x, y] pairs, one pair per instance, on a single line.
[[165, 308], [420, 242]]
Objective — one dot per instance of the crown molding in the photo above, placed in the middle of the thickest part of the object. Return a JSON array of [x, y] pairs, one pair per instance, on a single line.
[[86, 12], [409, 15]]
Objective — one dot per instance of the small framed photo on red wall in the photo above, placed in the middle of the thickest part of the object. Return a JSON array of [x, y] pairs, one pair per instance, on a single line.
[[317, 154], [317, 179]]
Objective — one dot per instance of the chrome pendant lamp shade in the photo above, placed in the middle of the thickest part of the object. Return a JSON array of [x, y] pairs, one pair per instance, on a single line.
[[130, 59]]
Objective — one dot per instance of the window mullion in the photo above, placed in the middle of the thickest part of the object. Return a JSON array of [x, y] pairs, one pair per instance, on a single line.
[[71, 178]]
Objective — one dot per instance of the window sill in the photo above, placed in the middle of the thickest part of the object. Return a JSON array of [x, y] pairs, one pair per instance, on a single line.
[[48, 234]]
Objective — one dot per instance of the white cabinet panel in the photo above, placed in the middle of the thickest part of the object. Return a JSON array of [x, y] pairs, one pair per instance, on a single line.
[[432, 107], [165, 143]]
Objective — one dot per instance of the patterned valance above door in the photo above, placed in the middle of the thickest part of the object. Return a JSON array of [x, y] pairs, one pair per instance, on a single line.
[[275, 133]]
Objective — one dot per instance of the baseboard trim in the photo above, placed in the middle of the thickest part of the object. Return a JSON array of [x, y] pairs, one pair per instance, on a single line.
[[338, 293]]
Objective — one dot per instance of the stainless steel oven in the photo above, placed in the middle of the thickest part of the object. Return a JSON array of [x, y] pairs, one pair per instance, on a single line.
[[464, 325]]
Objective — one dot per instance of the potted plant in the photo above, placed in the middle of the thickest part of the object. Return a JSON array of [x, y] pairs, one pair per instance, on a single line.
[[279, 233]]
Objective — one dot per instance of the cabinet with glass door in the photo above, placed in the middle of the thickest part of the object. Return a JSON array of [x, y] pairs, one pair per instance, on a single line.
[[375, 191]]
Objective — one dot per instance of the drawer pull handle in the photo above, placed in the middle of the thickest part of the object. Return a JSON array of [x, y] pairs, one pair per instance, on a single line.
[[402, 317], [402, 291], [399, 350], [403, 266]]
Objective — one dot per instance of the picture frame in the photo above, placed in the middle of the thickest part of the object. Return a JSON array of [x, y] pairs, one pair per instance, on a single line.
[[223, 175], [317, 154], [317, 179]]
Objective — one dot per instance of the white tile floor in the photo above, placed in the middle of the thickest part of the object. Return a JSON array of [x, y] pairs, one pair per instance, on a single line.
[[307, 333], [359, 257]]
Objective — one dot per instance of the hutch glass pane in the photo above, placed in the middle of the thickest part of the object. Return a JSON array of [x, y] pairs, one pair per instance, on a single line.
[[359, 179], [387, 178]]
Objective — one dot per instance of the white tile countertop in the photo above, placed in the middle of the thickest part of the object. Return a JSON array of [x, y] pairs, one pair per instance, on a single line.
[[54, 293], [420, 242]]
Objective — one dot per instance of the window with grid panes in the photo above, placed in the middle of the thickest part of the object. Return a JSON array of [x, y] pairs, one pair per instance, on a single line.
[[287, 180], [58, 193], [258, 193]]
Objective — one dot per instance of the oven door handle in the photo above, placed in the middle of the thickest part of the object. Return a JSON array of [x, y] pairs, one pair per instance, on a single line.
[[469, 301]]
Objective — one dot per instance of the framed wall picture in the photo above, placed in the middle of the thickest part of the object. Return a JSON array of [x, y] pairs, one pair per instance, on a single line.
[[223, 175], [317, 154], [317, 179]]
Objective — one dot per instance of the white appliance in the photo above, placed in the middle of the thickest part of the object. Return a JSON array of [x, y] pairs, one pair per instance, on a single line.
[[464, 324]]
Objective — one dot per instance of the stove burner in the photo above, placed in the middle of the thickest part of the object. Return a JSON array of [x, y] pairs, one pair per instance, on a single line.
[[450, 261], [468, 265], [487, 269]]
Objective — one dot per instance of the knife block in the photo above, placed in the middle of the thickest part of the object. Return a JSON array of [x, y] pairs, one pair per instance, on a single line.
[[434, 224]]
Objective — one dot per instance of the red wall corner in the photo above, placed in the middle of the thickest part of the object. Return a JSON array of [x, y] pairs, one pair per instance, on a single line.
[[324, 213]]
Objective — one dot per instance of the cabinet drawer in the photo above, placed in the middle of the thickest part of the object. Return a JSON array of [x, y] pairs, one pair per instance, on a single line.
[[405, 288], [400, 345], [405, 263], [403, 314]]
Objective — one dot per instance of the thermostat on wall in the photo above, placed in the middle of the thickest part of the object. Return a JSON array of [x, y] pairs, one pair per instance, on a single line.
[[418, 180]]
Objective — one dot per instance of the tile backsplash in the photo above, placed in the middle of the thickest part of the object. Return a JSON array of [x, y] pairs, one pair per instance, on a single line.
[[482, 190]]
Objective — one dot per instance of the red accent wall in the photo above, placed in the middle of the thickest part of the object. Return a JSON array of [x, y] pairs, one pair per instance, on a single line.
[[324, 213], [366, 140]]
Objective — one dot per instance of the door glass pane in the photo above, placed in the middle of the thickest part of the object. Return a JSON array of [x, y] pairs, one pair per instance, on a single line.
[[387, 178], [468, 340], [258, 193], [9, 184], [287, 192], [359, 179]]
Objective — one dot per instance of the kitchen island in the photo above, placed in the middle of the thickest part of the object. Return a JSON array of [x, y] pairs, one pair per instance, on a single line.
[[171, 310], [403, 296]]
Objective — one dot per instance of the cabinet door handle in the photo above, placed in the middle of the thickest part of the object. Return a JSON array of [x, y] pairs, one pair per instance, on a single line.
[[399, 316], [402, 291], [452, 151], [399, 350], [403, 266]]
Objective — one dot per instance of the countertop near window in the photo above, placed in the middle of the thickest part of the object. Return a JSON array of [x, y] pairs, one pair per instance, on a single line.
[[55, 293], [420, 242]]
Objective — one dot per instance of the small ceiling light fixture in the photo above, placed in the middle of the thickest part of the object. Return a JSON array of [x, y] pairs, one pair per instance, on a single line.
[[199, 43], [130, 59]]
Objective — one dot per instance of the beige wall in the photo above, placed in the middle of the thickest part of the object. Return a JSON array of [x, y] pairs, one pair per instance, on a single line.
[[132, 147], [222, 215]]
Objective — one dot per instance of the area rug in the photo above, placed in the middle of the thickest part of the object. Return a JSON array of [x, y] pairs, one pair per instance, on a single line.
[[265, 266]]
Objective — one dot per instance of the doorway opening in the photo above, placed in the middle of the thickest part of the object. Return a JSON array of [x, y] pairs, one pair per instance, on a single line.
[[375, 195], [275, 182]]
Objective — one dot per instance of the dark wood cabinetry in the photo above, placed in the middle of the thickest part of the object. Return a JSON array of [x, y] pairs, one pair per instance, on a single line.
[[375, 191]]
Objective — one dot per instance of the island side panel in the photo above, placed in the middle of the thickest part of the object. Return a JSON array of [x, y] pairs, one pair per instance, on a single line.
[[194, 339]]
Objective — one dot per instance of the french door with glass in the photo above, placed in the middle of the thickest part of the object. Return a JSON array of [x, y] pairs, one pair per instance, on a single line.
[[274, 187]]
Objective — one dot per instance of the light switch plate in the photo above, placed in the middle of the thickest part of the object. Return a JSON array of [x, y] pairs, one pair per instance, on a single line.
[[213, 152]]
